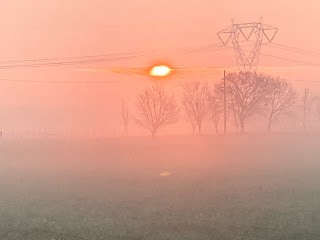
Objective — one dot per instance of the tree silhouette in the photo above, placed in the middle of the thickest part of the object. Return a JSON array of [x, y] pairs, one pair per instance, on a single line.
[[280, 100], [235, 118], [215, 109], [124, 116], [156, 109], [246, 94], [195, 103]]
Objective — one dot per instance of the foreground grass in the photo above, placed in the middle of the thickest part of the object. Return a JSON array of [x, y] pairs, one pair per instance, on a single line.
[[221, 189]]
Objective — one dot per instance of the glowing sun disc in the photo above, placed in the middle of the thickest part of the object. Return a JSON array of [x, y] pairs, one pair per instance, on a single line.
[[160, 71]]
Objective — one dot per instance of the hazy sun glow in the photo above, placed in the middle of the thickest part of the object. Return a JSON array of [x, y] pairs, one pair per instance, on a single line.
[[160, 71], [165, 174]]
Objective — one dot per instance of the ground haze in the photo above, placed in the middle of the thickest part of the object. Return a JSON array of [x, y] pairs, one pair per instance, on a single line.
[[236, 187]]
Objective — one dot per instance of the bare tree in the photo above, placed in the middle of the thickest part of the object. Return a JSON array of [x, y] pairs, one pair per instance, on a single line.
[[124, 115], [216, 109], [305, 101], [156, 109], [195, 102], [280, 100], [246, 94]]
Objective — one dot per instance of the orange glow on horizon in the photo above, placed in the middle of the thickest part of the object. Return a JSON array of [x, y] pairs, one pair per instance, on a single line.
[[160, 71]]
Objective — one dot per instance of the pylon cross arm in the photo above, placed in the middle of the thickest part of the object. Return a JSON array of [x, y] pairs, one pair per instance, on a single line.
[[247, 62], [226, 32], [247, 37], [270, 38]]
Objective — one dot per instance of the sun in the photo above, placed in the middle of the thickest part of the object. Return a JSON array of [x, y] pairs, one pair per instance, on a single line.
[[160, 71]]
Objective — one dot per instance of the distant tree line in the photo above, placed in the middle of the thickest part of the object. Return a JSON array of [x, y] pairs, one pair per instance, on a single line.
[[247, 95]]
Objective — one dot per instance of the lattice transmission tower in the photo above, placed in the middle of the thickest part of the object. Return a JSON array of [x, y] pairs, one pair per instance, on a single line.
[[246, 35]]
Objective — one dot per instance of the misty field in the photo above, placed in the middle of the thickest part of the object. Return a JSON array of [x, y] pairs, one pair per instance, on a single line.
[[249, 187]]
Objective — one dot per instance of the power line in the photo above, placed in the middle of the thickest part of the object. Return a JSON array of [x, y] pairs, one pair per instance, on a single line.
[[47, 81], [103, 82], [284, 58], [70, 62], [290, 48], [289, 59], [71, 58], [28, 63], [294, 49], [77, 60]]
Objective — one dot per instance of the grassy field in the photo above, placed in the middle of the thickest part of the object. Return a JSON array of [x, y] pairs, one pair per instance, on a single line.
[[250, 187]]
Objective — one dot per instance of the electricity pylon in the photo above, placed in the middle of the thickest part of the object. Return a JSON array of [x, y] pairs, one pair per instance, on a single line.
[[254, 33]]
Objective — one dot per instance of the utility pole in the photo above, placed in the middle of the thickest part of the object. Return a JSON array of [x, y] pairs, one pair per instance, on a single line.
[[225, 102]]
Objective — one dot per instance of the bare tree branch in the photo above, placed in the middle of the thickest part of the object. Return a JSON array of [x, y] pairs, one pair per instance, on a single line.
[[195, 103], [156, 109], [246, 94], [280, 100]]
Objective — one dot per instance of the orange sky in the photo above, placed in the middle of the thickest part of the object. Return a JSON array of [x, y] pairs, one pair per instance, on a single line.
[[59, 28]]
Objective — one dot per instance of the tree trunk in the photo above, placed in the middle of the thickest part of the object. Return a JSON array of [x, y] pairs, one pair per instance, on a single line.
[[194, 130], [236, 122], [269, 124], [217, 130], [199, 128], [242, 125], [154, 133], [269, 127]]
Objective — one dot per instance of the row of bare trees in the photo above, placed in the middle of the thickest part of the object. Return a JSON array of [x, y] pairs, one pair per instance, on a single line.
[[247, 94]]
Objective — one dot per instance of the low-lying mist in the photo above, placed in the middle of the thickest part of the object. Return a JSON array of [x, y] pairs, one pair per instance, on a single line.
[[199, 187]]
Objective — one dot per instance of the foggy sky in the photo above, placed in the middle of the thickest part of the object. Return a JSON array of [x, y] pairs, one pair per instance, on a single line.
[[33, 29]]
